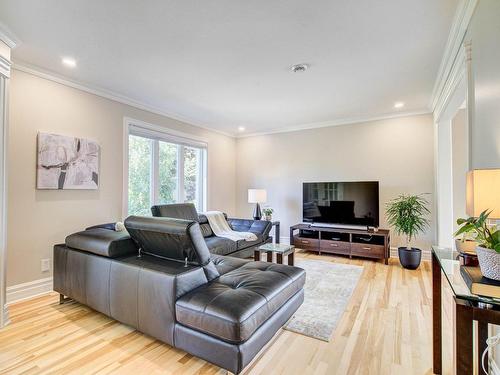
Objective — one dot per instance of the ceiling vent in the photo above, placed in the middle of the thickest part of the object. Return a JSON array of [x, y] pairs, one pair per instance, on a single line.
[[299, 68]]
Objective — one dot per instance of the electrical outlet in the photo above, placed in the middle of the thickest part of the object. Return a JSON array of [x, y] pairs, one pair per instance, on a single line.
[[45, 265]]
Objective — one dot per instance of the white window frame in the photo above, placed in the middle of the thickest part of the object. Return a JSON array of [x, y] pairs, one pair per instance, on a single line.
[[140, 128]]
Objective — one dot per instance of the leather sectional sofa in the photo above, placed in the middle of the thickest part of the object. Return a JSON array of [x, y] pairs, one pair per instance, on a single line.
[[161, 279], [219, 245]]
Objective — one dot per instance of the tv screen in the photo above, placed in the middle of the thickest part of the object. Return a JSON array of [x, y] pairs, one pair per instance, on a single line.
[[343, 203]]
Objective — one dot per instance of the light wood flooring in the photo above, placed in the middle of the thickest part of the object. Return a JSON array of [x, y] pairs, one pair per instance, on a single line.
[[386, 329]]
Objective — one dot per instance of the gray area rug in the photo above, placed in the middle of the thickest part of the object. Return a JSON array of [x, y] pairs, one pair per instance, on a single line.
[[329, 287]]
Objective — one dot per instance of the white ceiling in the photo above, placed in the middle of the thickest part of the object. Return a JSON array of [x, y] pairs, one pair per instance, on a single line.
[[225, 63]]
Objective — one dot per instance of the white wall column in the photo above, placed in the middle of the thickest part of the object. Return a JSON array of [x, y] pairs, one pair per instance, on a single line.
[[5, 46]]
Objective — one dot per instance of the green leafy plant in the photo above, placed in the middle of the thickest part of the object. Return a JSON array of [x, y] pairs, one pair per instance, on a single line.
[[268, 211], [407, 214], [488, 236]]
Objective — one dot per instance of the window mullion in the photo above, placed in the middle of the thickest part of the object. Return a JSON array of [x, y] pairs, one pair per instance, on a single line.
[[155, 172], [180, 173], [199, 178]]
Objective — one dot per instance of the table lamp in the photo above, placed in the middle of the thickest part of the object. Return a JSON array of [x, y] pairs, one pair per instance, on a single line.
[[257, 196], [483, 192]]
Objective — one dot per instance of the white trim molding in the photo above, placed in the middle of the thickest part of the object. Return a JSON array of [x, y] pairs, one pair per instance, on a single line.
[[95, 90], [111, 95], [4, 83], [453, 46], [5, 67], [8, 37], [339, 122], [163, 133], [24, 291], [457, 73]]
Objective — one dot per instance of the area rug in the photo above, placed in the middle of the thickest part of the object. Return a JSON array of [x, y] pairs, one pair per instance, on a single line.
[[329, 287]]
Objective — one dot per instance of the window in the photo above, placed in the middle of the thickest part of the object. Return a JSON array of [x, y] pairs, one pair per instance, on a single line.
[[163, 167]]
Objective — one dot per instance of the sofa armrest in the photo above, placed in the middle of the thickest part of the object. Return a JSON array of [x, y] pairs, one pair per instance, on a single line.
[[109, 226], [262, 227]]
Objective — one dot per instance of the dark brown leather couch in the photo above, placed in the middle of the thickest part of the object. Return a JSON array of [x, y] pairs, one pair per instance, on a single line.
[[219, 245], [221, 309]]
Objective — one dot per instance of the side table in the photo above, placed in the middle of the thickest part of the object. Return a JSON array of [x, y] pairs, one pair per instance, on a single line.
[[280, 250], [469, 307]]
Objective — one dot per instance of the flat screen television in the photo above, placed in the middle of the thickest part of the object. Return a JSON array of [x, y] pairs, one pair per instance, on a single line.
[[341, 203]]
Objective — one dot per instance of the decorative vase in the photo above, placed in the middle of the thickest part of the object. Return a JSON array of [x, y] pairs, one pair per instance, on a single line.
[[467, 246], [409, 258], [489, 262], [269, 217]]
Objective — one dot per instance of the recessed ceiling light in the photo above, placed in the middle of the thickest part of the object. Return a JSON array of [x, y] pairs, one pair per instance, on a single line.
[[299, 68], [69, 62], [241, 128], [399, 105]]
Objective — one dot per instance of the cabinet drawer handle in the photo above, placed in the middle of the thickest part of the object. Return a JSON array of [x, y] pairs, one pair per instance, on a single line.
[[304, 241], [366, 248], [334, 245]]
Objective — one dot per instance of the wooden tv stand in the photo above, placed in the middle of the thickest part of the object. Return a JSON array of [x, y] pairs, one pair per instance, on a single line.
[[352, 242]]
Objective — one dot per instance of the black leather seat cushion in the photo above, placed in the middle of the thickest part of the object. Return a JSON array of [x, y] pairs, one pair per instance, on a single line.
[[102, 242], [262, 227], [242, 244], [234, 305], [226, 264], [220, 245]]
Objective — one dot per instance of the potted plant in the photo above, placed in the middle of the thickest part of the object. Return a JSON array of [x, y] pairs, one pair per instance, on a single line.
[[407, 214], [268, 213], [465, 242], [488, 238]]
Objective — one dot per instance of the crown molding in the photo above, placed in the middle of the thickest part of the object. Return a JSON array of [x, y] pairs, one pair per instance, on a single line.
[[340, 122], [104, 93], [458, 72], [5, 66], [8, 37], [458, 30], [95, 90]]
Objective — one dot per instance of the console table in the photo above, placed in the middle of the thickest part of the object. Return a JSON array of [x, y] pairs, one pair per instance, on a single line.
[[468, 307], [352, 242]]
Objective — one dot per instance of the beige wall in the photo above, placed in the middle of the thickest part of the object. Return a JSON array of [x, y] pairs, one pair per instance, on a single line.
[[40, 218], [396, 152], [483, 33]]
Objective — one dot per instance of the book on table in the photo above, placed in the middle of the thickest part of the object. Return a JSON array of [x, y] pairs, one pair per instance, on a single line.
[[478, 284]]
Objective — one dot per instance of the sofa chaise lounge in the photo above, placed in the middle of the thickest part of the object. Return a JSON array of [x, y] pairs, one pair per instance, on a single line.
[[222, 309], [219, 245]]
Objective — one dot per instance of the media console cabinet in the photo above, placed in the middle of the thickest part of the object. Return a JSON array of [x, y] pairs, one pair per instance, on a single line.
[[352, 242]]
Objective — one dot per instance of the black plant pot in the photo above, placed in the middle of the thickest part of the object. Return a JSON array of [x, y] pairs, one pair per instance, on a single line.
[[410, 258]]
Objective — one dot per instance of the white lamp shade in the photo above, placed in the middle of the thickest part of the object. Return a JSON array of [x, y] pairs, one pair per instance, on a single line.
[[257, 195], [483, 192]]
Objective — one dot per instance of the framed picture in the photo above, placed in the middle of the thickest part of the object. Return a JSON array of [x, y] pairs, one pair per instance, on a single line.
[[67, 162]]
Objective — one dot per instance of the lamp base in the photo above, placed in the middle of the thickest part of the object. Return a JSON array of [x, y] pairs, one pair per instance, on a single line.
[[257, 214]]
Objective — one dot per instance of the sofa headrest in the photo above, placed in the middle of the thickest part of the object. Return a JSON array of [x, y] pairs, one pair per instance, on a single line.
[[202, 218], [185, 211], [104, 242], [169, 238]]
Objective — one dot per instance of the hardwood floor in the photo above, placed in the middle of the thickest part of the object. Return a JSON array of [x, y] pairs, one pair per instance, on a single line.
[[386, 329]]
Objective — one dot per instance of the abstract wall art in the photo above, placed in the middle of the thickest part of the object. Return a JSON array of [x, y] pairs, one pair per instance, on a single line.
[[67, 162]]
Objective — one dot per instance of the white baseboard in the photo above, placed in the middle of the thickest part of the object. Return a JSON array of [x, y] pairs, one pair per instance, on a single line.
[[20, 292], [285, 240], [5, 312]]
